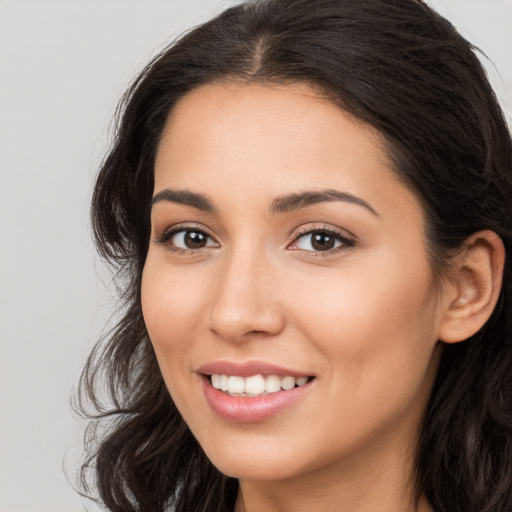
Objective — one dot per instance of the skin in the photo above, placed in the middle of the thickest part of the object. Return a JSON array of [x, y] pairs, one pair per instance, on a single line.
[[363, 319]]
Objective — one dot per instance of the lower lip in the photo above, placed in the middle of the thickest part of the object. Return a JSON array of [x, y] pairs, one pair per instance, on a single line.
[[248, 410]]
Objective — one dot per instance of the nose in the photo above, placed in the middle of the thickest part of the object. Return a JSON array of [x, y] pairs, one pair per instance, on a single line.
[[246, 302]]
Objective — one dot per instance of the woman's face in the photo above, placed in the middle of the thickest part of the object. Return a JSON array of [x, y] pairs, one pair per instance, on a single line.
[[288, 261]]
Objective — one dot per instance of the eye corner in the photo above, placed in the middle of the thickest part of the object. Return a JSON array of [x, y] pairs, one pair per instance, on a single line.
[[186, 239], [329, 240]]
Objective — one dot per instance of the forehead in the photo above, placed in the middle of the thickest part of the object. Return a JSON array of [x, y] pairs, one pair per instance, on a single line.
[[271, 140], [250, 112]]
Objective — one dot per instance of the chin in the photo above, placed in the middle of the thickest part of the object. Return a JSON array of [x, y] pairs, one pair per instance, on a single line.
[[262, 459], [243, 469]]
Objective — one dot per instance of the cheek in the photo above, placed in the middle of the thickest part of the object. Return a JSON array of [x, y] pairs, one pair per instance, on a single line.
[[377, 344], [372, 321], [171, 303]]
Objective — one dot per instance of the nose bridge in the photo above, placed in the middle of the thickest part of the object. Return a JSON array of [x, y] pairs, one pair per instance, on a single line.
[[245, 298]]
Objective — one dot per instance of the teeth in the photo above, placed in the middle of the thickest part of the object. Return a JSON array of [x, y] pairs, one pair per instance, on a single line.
[[255, 385], [223, 382], [272, 384], [288, 382], [236, 384]]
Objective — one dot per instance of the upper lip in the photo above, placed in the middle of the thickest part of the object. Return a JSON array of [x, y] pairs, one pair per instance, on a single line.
[[248, 368]]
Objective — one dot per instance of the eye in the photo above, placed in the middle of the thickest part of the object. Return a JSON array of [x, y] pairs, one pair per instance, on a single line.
[[320, 240], [187, 239]]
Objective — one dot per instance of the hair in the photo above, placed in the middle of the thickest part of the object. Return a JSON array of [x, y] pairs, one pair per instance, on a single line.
[[405, 70]]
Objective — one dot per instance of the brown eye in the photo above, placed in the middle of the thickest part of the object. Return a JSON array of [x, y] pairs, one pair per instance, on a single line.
[[195, 239], [190, 239], [321, 240]]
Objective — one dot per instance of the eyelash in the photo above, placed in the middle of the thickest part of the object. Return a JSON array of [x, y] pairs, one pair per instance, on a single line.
[[168, 234], [345, 242]]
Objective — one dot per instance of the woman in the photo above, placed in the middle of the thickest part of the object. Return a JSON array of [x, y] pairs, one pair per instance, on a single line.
[[311, 205]]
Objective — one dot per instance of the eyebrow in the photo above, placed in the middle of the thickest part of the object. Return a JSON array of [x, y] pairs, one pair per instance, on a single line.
[[199, 201], [296, 201], [281, 204]]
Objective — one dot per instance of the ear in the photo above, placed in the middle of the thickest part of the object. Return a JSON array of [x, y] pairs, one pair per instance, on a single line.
[[472, 294]]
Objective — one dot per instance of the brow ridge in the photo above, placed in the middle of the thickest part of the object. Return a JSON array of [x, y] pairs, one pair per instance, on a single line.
[[185, 197], [290, 202], [281, 204]]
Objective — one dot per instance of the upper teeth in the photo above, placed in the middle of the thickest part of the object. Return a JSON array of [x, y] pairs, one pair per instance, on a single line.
[[255, 384]]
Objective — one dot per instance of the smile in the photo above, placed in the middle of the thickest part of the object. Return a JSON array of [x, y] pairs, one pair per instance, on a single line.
[[255, 385], [243, 407]]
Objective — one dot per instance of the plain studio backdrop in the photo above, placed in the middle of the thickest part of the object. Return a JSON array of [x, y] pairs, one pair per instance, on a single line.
[[63, 66]]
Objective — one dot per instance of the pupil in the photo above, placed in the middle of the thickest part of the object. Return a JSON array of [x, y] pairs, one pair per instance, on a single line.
[[195, 240], [322, 241]]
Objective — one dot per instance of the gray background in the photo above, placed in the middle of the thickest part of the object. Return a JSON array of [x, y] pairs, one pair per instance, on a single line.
[[63, 66]]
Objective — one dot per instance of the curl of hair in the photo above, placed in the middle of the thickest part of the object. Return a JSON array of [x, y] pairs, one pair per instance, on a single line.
[[405, 70]]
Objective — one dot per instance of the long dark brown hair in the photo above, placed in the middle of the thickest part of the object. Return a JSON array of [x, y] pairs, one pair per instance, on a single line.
[[405, 70]]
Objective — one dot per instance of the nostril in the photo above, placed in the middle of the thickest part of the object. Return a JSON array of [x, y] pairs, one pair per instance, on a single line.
[[241, 312]]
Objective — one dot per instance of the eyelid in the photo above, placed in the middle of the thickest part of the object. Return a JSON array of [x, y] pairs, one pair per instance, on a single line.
[[166, 234], [347, 239]]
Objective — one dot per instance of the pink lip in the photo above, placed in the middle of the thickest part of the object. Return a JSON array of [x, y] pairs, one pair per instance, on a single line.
[[247, 369], [249, 410], [245, 409]]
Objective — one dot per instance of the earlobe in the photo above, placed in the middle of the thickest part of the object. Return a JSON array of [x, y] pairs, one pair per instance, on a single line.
[[475, 288]]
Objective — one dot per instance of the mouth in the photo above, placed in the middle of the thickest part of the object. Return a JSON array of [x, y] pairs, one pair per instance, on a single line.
[[255, 385], [253, 392]]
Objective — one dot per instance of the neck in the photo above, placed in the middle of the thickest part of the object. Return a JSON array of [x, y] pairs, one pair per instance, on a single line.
[[252, 501], [379, 481]]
